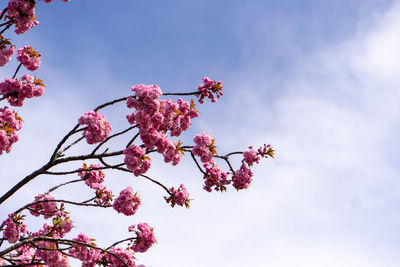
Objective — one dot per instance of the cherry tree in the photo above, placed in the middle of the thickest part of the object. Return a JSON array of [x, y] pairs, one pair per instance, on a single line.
[[155, 124]]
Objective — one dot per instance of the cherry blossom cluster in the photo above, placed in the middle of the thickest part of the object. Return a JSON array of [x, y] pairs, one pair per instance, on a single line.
[[208, 89], [88, 255], [104, 197], [47, 251], [204, 147], [10, 122], [12, 228], [29, 58], [156, 118], [145, 237], [242, 178], [47, 209], [6, 51], [92, 177], [125, 255], [22, 255], [18, 90], [178, 196], [23, 14], [97, 127], [214, 177], [136, 160], [127, 202], [62, 225]]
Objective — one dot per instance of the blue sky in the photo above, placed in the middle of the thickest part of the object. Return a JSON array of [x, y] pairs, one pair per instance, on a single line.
[[316, 79]]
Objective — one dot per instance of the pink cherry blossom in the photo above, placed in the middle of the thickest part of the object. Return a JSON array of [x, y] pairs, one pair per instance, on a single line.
[[29, 58], [5, 53], [12, 228], [89, 256], [18, 90], [47, 209], [127, 202], [97, 129], [125, 255], [178, 197], [208, 89], [92, 178], [250, 156], [145, 237], [215, 178], [136, 160], [23, 12], [52, 258], [242, 178], [104, 196], [10, 123], [204, 147]]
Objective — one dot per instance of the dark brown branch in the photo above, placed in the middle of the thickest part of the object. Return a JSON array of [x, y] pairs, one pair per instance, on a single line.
[[16, 71], [3, 13], [88, 156], [83, 203], [55, 153], [111, 103], [132, 140], [88, 169], [58, 241], [24, 181], [70, 145], [191, 93], [6, 28], [119, 242], [156, 182], [197, 163]]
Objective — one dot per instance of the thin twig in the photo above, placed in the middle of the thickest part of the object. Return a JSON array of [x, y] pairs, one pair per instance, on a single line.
[[191, 93], [112, 136], [156, 182], [16, 71]]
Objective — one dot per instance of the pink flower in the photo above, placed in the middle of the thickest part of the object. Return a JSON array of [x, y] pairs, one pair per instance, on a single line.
[[178, 197], [127, 202], [208, 88], [47, 209], [17, 90], [104, 196], [136, 160], [204, 147], [29, 58], [52, 257], [250, 156], [97, 129], [13, 228], [23, 12], [92, 178], [145, 237], [242, 178], [86, 254], [6, 51], [214, 177], [10, 123], [125, 255]]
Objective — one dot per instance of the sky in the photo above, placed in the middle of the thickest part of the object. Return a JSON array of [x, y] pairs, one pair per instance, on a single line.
[[318, 80]]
